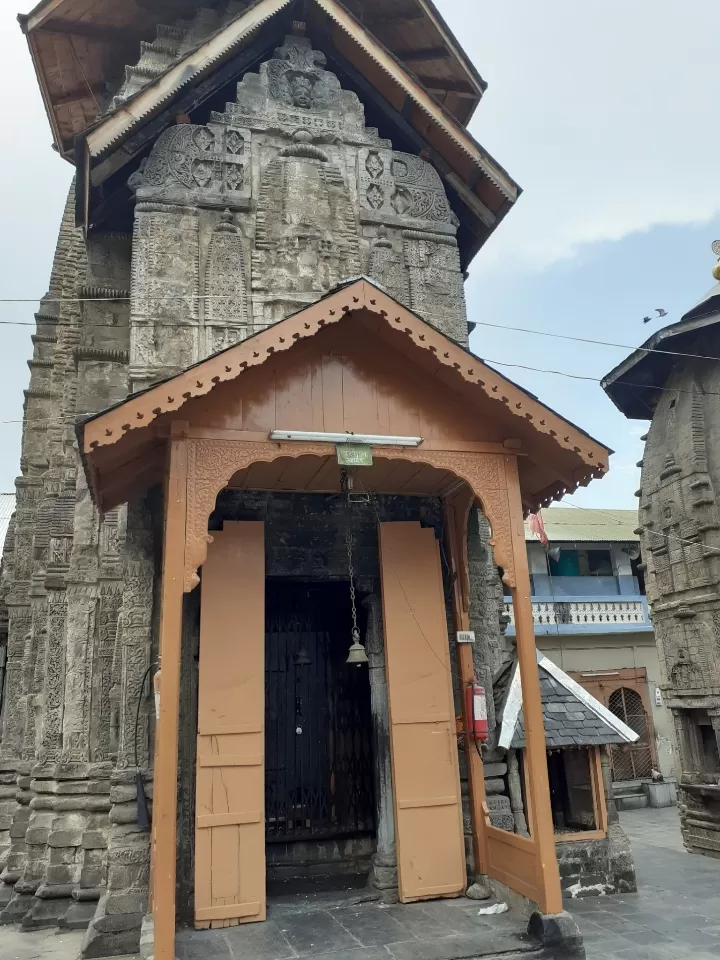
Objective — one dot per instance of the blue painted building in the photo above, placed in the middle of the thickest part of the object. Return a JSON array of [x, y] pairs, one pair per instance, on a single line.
[[592, 620]]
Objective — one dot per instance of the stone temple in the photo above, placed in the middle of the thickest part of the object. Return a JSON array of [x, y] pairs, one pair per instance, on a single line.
[[680, 531], [267, 200]]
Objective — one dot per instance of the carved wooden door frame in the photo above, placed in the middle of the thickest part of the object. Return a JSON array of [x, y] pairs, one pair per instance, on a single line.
[[198, 469]]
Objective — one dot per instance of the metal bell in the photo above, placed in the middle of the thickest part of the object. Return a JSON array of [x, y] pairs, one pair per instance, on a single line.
[[356, 653], [302, 657]]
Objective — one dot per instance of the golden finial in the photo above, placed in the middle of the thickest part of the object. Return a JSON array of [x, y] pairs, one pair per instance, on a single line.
[[716, 268]]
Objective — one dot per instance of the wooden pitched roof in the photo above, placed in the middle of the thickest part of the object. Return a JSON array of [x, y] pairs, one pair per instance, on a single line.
[[103, 146], [555, 455], [77, 45]]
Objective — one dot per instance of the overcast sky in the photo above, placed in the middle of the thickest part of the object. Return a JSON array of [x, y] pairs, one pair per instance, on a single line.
[[605, 111]]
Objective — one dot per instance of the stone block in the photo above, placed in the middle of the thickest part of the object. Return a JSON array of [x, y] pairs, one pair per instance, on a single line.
[[118, 923], [660, 794], [65, 838], [93, 876], [45, 913], [61, 873], [120, 903], [557, 932], [494, 770], [94, 840], [633, 802], [38, 835], [495, 786], [78, 916]]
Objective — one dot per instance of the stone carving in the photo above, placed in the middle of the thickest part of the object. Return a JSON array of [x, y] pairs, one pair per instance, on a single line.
[[203, 165], [402, 188], [225, 283], [387, 266], [436, 284], [296, 77]]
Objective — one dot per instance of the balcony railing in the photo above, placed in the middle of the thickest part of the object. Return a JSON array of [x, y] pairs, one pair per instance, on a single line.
[[586, 615]]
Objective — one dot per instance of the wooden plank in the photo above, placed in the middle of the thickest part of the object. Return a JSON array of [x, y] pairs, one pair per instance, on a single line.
[[230, 796], [230, 760], [427, 802], [242, 910], [428, 809], [457, 511], [227, 819]]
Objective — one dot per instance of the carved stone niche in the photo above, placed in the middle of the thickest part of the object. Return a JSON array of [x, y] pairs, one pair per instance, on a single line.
[[400, 189], [201, 166]]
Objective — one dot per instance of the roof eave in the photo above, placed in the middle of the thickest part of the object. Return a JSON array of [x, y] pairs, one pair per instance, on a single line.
[[633, 384]]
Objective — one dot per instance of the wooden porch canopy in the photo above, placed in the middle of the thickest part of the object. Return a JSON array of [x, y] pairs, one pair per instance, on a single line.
[[355, 362], [124, 448]]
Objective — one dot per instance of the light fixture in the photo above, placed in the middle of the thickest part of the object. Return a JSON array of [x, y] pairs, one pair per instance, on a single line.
[[371, 439], [357, 655]]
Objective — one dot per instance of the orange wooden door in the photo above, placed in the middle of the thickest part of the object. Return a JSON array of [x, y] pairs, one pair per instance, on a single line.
[[426, 780], [230, 774]]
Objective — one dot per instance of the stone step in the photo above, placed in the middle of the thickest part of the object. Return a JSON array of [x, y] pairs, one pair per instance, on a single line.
[[631, 801]]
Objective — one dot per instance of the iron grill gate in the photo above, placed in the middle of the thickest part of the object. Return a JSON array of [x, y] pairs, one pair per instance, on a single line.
[[631, 761], [318, 759]]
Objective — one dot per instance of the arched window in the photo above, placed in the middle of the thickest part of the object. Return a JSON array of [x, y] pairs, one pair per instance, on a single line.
[[627, 705], [632, 761]]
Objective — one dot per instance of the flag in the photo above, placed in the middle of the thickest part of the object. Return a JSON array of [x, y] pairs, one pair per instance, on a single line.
[[537, 527]]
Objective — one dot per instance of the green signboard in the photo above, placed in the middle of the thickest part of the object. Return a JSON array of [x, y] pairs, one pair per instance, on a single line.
[[354, 455]]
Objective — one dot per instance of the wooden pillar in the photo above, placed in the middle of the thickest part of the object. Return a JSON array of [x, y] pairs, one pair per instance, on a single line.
[[166, 757], [541, 824], [457, 510]]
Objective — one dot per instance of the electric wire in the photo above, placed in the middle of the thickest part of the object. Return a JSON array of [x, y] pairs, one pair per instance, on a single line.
[[196, 298]]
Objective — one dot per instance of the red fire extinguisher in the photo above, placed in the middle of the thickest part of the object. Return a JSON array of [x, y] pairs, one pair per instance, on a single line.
[[476, 710]]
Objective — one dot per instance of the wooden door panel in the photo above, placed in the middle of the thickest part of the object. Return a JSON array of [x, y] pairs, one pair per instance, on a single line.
[[426, 782], [230, 774]]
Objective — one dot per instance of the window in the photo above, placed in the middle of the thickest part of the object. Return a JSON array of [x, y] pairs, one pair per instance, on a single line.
[[631, 761], [582, 563]]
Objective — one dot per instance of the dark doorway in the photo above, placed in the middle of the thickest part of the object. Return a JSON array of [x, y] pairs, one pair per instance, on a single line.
[[318, 752]]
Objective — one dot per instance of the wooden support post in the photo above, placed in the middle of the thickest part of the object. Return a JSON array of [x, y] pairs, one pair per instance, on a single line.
[[166, 757], [457, 510], [542, 832]]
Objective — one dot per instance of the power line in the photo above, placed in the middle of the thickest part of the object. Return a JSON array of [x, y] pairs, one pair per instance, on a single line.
[[499, 363], [213, 297], [652, 533]]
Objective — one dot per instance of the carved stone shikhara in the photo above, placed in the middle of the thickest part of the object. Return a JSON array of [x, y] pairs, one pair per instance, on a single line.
[[680, 534], [238, 223]]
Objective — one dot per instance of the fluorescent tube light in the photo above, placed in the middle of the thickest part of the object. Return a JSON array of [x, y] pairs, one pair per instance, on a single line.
[[368, 438]]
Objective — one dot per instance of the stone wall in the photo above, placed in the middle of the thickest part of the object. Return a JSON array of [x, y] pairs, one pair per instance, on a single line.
[[591, 868]]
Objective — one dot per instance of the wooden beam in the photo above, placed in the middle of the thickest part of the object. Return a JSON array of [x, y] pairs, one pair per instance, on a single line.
[[166, 757], [538, 787], [77, 96], [421, 55], [401, 16], [440, 85], [75, 28]]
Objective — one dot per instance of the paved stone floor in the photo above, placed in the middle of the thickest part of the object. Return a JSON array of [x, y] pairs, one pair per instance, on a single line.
[[333, 924], [675, 916], [676, 913]]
